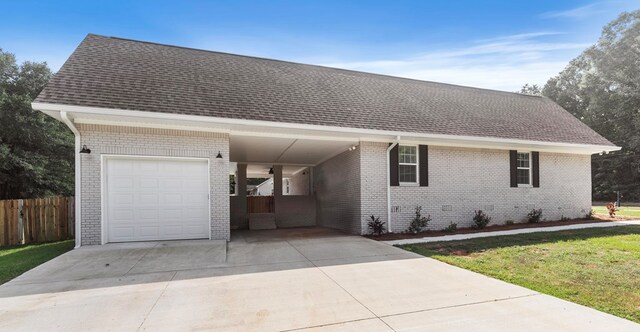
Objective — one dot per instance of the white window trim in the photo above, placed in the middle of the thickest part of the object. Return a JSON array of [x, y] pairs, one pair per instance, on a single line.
[[530, 184], [417, 165]]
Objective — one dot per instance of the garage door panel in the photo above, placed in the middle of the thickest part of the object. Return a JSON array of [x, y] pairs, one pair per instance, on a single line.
[[195, 185], [122, 199], [123, 166], [147, 231], [173, 230], [151, 198], [147, 166], [123, 232], [196, 198], [195, 213], [171, 214], [122, 214], [171, 183], [149, 183], [147, 214], [194, 229], [120, 183], [172, 198], [157, 199]]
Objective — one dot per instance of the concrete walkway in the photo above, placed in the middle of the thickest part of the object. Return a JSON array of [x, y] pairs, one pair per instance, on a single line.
[[306, 279], [510, 232]]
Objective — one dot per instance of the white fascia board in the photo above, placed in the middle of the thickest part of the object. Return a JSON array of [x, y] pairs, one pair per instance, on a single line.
[[277, 129]]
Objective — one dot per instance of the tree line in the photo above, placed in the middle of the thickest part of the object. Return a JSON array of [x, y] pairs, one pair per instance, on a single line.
[[36, 151], [601, 87]]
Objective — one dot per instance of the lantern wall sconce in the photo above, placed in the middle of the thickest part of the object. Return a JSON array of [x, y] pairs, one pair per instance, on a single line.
[[85, 150], [219, 156]]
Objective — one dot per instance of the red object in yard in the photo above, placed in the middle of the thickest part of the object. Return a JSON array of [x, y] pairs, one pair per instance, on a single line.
[[612, 209]]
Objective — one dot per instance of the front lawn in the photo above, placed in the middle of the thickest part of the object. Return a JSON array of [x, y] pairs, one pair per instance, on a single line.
[[16, 260], [623, 211], [597, 267]]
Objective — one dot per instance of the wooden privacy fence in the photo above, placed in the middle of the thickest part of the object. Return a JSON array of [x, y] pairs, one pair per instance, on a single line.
[[260, 204], [36, 220]]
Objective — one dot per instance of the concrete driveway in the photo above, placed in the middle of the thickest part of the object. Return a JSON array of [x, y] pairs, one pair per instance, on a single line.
[[310, 278]]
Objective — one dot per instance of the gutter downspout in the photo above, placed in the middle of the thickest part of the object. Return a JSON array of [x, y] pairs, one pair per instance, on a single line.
[[393, 144], [78, 213]]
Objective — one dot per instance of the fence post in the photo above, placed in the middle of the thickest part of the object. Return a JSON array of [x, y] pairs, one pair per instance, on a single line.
[[20, 222]]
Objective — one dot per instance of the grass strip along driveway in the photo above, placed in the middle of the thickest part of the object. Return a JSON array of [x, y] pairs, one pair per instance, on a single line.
[[16, 260], [596, 267]]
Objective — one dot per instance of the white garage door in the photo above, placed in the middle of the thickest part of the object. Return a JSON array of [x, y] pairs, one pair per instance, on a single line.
[[156, 199]]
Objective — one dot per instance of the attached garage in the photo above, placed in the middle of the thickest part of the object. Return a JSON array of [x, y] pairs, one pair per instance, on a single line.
[[155, 198]]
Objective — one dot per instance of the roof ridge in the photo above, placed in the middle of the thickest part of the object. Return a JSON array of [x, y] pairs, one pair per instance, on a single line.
[[318, 66]]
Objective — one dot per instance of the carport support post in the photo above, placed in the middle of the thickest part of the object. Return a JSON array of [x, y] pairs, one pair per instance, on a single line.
[[277, 187], [241, 191]]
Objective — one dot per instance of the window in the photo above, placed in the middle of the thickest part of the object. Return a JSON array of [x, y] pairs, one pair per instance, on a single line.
[[523, 170], [408, 164]]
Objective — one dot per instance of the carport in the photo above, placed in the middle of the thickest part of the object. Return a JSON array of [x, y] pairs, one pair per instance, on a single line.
[[286, 164]]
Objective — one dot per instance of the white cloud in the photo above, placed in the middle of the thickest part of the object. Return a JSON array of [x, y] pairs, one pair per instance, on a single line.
[[575, 13], [502, 63]]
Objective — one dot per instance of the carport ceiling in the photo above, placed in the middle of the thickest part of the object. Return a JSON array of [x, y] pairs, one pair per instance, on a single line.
[[276, 150]]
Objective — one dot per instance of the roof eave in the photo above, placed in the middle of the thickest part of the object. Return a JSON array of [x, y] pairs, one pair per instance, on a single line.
[[133, 118]]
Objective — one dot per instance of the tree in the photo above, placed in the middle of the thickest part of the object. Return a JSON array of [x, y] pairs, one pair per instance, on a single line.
[[36, 151], [531, 89], [601, 87]]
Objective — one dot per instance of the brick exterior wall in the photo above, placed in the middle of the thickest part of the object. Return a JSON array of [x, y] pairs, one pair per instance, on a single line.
[[373, 169], [463, 180], [352, 186], [111, 140], [337, 190], [299, 183]]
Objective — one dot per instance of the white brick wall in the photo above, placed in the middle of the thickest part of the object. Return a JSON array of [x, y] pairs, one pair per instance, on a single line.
[[463, 180], [152, 142], [337, 190], [373, 168], [299, 183]]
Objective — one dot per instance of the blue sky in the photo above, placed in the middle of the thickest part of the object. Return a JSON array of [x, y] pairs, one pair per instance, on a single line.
[[491, 44]]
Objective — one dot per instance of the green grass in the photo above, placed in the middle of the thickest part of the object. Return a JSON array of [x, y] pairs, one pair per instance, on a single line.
[[16, 260], [597, 267], [624, 211]]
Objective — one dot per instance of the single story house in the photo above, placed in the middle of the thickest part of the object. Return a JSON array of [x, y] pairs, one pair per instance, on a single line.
[[159, 129]]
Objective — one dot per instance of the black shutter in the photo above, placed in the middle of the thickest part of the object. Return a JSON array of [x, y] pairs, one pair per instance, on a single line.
[[513, 160], [393, 167], [423, 163], [535, 171]]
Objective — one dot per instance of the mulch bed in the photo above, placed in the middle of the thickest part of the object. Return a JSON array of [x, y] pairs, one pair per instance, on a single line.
[[598, 218]]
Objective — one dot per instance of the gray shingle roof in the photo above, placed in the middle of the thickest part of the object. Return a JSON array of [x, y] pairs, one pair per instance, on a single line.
[[133, 75]]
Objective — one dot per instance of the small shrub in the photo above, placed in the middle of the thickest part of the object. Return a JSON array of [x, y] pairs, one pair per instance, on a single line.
[[563, 218], [419, 222], [451, 228], [611, 207], [376, 226], [481, 219], [589, 215], [509, 222], [534, 216]]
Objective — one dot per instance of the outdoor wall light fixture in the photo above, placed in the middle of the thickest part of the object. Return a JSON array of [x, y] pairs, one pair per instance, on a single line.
[[85, 149], [271, 170], [219, 156]]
